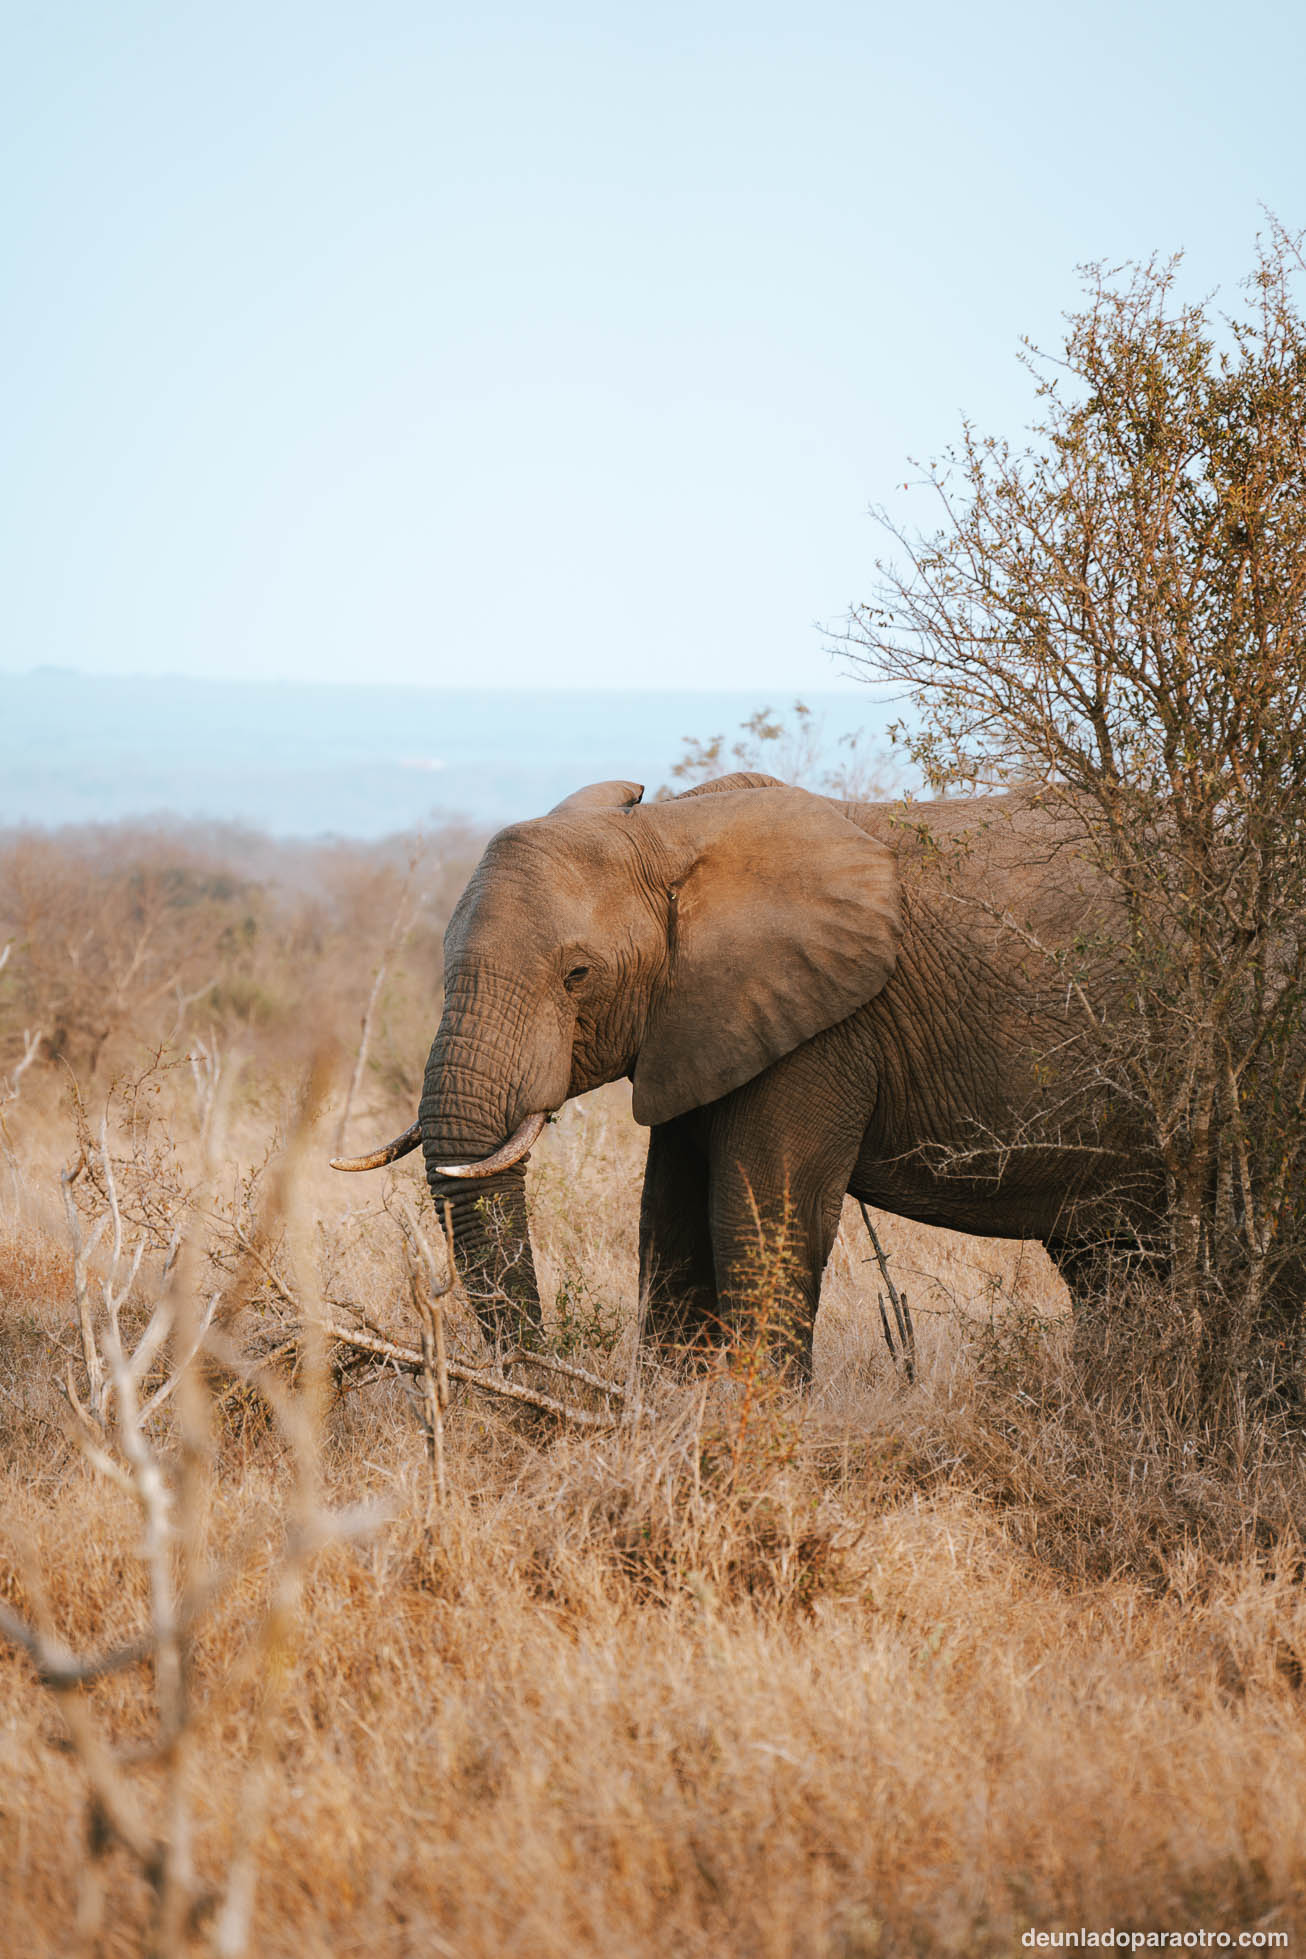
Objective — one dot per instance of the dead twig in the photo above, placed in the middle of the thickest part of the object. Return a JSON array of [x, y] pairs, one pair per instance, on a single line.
[[129, 1379], [434, 1372], [409, 901], [57, 1667], [427, 1287], [13, 1087], [83, 1250], [905, 1352]]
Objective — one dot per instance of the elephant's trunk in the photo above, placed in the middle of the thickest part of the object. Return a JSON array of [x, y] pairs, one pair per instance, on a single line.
[[492, 1248], [491, 1067]]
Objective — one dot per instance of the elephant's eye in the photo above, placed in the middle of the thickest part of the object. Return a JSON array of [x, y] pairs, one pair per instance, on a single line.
[[575, 976]]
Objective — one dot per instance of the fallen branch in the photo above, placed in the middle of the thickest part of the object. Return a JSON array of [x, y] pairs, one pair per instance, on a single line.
[[567, 1368], [242, 1372], [493, 1383]]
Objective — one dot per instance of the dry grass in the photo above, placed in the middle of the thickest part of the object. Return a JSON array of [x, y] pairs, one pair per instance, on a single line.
[[885, 1669], [897, 1670]]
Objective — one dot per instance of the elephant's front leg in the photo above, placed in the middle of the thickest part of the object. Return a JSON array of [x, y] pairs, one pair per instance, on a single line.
[[781, 1153], [677, 1273]]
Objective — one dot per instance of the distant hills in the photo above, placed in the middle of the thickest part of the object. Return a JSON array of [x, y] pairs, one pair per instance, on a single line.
[[300, 760]]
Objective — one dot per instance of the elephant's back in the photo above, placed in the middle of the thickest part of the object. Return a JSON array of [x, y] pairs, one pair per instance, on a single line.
[[1005, 857]]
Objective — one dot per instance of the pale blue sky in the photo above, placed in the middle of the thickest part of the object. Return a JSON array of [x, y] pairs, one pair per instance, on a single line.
[[535, 346]]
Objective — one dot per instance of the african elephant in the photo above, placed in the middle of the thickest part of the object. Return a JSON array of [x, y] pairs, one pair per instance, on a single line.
[[810, 998]]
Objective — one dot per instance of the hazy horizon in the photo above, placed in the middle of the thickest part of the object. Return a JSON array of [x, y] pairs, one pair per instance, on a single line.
[[306, 758], [766, 697]]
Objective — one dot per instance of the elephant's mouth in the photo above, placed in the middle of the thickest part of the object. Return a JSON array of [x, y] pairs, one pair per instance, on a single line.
[[523, 1139]]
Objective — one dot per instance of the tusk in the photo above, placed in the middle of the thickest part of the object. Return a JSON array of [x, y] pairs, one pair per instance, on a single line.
[[400, 1147], [522, 1139]]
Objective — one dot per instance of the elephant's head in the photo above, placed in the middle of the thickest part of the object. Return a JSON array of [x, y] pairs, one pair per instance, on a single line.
[[687, 944]]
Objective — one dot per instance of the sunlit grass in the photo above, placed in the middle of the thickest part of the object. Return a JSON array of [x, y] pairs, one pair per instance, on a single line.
[[886, 1668]]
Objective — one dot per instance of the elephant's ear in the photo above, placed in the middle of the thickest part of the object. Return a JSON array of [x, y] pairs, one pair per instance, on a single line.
[[601, 795], [782, 920]]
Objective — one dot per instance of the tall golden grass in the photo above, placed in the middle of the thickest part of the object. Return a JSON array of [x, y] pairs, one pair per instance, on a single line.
[[884, 1668]]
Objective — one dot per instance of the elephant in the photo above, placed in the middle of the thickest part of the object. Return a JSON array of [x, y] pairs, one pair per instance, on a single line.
[[810, 998]]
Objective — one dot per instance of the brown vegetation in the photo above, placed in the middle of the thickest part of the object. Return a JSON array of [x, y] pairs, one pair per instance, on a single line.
[[1113, 611], [890, 1668]]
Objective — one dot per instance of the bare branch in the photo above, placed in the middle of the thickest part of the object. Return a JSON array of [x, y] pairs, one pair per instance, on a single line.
[[487, 1381], [901, 1311], [568, 1369], [82, 1253], [57, 1667]]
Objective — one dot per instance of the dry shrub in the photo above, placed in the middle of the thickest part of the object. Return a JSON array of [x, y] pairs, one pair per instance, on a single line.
[[128, 938], [1104, 1470], [33, 1266], [664, 1511]]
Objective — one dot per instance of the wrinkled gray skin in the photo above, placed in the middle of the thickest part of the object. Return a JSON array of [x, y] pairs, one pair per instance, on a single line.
[[811, 998]]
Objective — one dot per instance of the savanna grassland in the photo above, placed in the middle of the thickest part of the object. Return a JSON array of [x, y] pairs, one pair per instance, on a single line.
[[891, 1667]]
